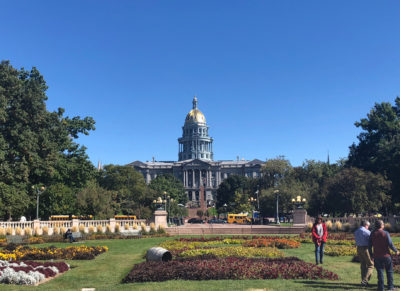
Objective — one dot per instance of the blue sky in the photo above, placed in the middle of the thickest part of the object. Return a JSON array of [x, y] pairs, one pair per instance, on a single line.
[[272, 77]]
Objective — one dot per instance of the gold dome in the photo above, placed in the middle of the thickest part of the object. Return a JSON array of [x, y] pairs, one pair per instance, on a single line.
[[195, 116]]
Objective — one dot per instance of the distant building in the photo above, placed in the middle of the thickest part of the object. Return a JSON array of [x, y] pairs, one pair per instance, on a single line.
[[196, 167]]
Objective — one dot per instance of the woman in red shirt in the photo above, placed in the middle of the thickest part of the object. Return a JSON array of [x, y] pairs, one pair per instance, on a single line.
[[319, 235]]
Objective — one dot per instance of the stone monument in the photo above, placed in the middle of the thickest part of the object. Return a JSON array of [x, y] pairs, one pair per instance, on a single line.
[[160, 218]]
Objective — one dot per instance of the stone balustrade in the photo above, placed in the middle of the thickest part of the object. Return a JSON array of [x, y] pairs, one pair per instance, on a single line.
[[357, 220], [37, 226]]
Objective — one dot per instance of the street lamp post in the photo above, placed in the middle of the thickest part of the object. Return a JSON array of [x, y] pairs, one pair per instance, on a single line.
[[225, 208], [167, 204], [170, 200], [258, 200], [277, 206], [258, 206], [165, 200], [252, 202], [39, 192]]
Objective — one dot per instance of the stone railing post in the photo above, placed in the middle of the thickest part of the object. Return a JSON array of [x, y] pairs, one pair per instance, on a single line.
[[36, 226], [75, 222], [351, 220], [112, 224], [160, 218]]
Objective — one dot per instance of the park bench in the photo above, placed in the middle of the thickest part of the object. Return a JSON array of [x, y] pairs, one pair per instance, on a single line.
[[14, 239], [77, 236], [131, 233]]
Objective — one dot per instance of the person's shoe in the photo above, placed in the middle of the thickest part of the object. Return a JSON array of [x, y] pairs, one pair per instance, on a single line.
[[364, 284], [393, 289]]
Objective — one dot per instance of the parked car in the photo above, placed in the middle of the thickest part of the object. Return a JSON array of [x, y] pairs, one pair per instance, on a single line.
[[195, 220], [216, 220]]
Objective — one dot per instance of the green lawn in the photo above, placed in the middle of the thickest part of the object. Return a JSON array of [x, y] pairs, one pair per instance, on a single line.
[[107, 271]]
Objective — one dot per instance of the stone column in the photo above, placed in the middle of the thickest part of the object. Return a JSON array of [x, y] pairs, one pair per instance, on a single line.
[[200, 182], [300, 217], [148, 178], [36, 225], [75, 222], [160, 218], [193, 180], [112, 224], [184, 178]]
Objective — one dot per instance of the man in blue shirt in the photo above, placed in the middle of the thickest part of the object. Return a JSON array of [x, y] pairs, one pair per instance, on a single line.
[[362, 240]]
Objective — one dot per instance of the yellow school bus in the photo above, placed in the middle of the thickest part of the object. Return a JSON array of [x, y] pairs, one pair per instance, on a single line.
[[125, 217], [59, 217], [238, 218], [68, 217]]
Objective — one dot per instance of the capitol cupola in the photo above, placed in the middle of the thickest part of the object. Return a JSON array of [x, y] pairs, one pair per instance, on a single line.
[[195, 115], [195, 142]]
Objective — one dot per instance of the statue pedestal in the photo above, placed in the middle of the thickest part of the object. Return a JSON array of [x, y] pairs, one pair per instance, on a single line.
[[300, 216], [160, 218]]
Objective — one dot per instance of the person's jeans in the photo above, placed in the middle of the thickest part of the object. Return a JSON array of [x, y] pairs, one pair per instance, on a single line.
[[382, 264], [319, 253]]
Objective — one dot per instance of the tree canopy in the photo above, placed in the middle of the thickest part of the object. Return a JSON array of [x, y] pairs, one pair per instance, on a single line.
[[378, 149], [353, 190], [37, 147], [171, 185]]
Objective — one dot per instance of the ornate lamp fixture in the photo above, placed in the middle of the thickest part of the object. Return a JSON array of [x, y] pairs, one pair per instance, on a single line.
[[299, 202], [159, 203]]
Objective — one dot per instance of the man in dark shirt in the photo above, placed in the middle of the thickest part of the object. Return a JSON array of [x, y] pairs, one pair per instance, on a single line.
[[68, 235], [380, 241]]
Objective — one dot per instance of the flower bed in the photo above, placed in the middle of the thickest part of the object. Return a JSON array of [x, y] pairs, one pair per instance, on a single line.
[[29, 273], [340, 250], [48, 253], [254, 241], [280, 243], [247, 252], [92, 236], [346, 250], [232, 268], [333, 238]]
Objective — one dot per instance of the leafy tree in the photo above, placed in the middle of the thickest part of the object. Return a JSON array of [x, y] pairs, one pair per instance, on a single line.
[[211, 212], [356, 191], [36, 146], [378, 149], [241, 203], [171, 185], [59, 200], [131, 195], [95, 200], [14, 200], [177, 210], [274, 171], [227, 193], [312, 176]]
